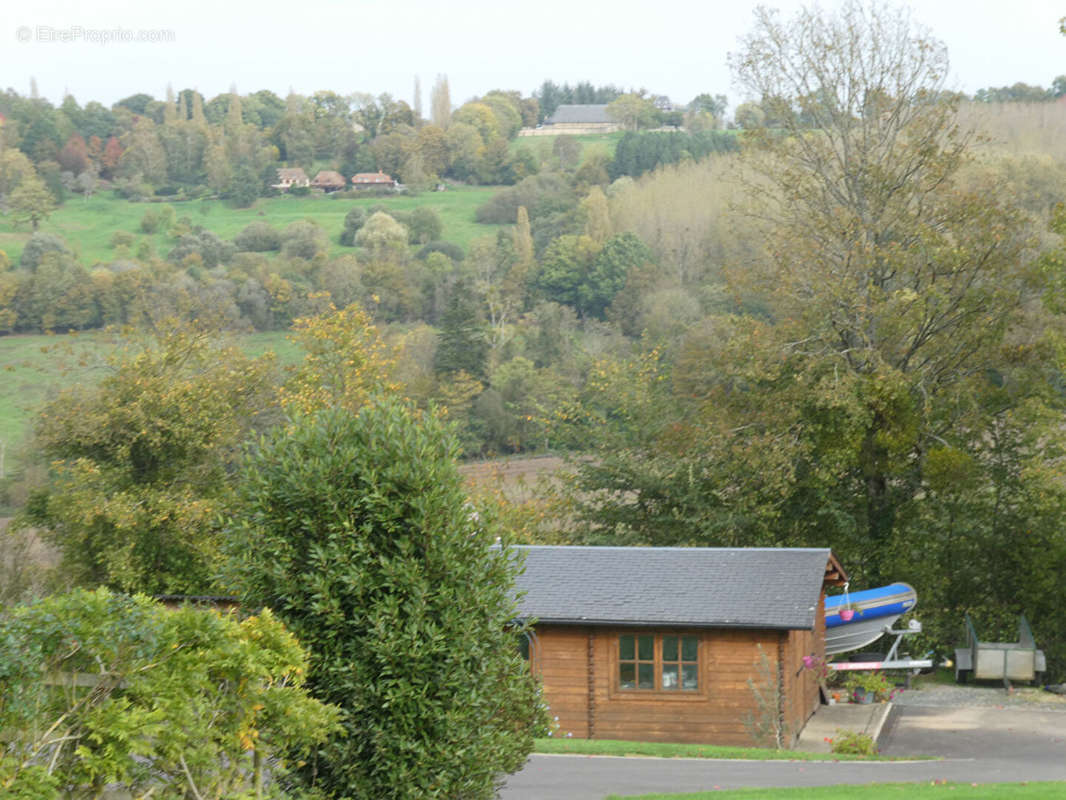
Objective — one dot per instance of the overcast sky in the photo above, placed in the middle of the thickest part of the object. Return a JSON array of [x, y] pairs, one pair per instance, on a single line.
[[672, 47]]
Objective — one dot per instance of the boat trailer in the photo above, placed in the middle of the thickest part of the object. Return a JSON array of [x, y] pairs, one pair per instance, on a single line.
[[854, 620], [892, 659]]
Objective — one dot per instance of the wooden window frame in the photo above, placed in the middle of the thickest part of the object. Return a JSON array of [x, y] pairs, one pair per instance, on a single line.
[[657, 693]]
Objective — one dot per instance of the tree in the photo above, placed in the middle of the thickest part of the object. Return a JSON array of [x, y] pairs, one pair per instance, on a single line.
[[38, 246], [346, 362], [74, 157], [632, 111], [32, 202], [893, 294], [715, 105], [383, 237], [564, 268], [142, 463], [14, 167], [463, 345], [440, 103], [597, 216], [567, 149], [424, 225], [889, 270], [356, 530], [258, 237], [99, 689], [609, 270]]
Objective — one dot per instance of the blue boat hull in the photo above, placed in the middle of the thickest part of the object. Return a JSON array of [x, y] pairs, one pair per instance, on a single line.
[[874, 610]]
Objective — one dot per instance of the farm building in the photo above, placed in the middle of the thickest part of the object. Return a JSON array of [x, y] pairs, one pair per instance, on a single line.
[[581, 119], [372, 180], [329, 180], [659, 644], [291, 176]]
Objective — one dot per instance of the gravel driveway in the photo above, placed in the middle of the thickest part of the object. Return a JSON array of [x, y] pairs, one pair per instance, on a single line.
[[988, 695]]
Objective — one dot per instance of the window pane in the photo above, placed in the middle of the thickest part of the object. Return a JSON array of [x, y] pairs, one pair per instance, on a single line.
[[523, 646], [646, 676], [669, 648], [627, 676], [625, 646], [669, 676], [646, 645], [690, 680], [690, 648]]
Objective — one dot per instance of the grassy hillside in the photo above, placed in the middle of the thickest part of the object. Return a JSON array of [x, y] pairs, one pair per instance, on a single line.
[[87, 225]]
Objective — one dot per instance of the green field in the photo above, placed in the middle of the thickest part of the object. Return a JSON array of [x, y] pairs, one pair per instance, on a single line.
[[34, 368], [87, 225], [591, 143], [878, 791]]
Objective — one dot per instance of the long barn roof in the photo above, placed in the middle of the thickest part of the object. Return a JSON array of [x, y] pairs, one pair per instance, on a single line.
[[776, 588], [585, 114]]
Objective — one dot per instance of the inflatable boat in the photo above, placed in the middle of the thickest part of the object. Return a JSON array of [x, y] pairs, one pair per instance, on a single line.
[[852, 621]]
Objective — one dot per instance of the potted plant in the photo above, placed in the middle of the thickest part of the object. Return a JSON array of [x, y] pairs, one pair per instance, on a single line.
[[866, 687]]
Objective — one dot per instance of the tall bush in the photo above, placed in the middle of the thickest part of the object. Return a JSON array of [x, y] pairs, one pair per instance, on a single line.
[[100, 689], [355, 529]]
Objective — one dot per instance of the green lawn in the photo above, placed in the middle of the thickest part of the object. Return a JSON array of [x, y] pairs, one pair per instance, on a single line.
[[878, 791], [610, 747], [34, 368], [87, 225]]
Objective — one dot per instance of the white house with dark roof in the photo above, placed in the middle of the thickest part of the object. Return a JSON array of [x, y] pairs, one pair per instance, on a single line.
[[659, 644]]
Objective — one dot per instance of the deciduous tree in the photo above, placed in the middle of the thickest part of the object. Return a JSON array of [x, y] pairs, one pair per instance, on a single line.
[[32, 202], [142, 463]]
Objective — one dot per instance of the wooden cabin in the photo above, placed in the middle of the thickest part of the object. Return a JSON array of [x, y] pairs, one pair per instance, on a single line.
[[659, 644]]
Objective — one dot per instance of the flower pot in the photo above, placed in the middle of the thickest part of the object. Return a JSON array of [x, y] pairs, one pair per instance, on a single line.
[[862, 696], [846, 615]]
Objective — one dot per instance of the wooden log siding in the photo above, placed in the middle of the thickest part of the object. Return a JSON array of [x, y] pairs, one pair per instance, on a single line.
[[687, 591], [579, 671]]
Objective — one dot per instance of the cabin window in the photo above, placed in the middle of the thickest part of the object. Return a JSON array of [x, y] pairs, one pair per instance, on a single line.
[[663, 662]]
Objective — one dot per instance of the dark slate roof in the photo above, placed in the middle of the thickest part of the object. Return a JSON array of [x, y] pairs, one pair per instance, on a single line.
[[675, 586], [579, 114]]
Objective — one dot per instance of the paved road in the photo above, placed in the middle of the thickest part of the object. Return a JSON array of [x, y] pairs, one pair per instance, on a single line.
[[983, 745]]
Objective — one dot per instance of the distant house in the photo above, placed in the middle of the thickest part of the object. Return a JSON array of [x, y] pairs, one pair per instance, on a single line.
[[581, 119], [329, 180], [289, 177], [660, 643], [372, 180]]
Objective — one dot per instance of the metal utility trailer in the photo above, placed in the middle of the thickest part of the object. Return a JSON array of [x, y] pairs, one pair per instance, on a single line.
[[1006, 661]]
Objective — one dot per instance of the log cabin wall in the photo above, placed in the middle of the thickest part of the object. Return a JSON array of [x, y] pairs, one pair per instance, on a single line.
[[561, 659], [579, 669], [801, 684]]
